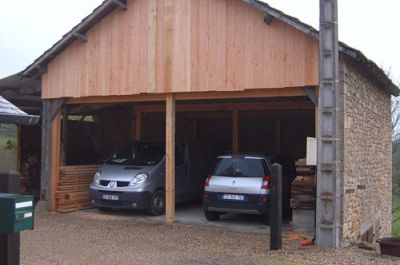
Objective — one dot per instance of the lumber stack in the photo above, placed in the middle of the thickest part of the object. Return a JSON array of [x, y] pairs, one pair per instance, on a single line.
[[303, 192], [72, 193]]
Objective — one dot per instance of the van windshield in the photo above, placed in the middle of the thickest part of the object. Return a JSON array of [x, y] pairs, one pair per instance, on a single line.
[[138, 154], [239, 167]]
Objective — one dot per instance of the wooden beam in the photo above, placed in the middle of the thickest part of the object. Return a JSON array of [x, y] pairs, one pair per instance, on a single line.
[[199, 107], [235, 131], [120, 4], [249, 93], [51, 109], [64, 137], [79, 36], [170, 159], [55, 158], [138, 126]]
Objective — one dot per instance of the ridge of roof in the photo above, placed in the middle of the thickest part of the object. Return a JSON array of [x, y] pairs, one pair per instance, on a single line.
[[39, 65]]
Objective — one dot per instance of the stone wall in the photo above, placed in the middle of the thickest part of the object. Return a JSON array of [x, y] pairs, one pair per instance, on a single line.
[[367, 157]]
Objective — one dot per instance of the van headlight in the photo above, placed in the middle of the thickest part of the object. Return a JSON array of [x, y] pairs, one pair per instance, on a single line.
[[97, 177], [139, 179]]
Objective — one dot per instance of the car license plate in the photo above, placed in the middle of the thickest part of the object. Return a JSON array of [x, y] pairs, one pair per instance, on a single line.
[[110, 197], [233, 197]]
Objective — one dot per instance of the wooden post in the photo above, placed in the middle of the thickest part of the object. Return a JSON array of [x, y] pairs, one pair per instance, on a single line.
[[276, 208], [45, 154], [50, 109], [170, 159], [138, 124], [235, 131], [277, 135], [64, 137], [55, 157], [19, 138]]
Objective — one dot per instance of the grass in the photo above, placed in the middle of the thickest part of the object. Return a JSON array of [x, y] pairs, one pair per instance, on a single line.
[[8, 150]]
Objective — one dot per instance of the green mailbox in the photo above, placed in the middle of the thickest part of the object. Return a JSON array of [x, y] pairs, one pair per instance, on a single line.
[[16, 213]]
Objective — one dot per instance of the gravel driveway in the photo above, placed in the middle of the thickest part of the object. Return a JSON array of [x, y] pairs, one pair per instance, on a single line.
[[91, 237]]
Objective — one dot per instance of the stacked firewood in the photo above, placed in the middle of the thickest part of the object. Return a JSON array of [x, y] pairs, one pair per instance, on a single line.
[[30, 176], [72, 192], [303, 192]]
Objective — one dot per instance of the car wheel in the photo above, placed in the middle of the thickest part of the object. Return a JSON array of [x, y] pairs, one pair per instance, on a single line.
[[211, 216], [157, 204]]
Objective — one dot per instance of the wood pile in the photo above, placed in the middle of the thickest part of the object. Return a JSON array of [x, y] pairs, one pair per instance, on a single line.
[[72, 193], [303, 193], [30, 176]]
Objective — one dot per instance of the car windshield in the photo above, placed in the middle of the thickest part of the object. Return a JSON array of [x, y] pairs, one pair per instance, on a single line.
[[138, 154], [239, 167]]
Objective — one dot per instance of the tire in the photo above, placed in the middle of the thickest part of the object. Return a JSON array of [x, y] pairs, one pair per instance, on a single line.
[[211, 216], [157, 203]]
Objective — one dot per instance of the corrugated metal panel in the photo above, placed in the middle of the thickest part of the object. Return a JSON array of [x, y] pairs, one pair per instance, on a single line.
[[12, 114]]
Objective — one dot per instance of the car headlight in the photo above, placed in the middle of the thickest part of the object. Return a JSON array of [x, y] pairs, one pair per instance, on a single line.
[[139, 179], [97, 177]]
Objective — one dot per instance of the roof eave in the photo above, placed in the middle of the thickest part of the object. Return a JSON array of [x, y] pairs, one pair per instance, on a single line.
[[354, 54]]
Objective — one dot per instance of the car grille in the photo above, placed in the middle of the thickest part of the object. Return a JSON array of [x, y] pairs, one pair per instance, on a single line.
[[120, 184], [114, 203]]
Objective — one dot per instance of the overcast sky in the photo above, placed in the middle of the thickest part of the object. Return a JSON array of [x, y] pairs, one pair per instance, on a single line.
[[29, 27]]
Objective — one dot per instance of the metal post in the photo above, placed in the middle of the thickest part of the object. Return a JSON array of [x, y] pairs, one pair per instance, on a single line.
[[328, 171], [10, 243], [276, 208]]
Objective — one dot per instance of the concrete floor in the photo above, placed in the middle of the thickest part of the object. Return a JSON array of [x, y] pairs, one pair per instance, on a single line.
[[192, 213]]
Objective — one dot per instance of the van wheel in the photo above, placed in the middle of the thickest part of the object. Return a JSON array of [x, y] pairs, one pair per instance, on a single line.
[[211, 216], [157, 204]]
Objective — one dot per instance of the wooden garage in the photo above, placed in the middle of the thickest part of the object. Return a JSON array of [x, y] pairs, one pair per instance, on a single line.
[[239, 60]]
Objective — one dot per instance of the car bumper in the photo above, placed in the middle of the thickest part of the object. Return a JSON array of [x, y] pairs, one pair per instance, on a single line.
[[120, 199], [252, 206]]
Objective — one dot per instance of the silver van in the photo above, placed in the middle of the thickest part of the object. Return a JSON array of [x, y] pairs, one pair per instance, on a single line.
[[134, 176]]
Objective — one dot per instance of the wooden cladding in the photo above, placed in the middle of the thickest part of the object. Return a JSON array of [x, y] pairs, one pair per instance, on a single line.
[[72, 192], [163, 46]]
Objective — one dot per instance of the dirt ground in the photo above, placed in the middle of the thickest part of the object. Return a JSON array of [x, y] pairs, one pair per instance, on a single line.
[[92, 237]]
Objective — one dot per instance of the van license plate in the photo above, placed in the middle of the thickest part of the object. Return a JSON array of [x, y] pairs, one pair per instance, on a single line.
[[233, 197], [110, 197]]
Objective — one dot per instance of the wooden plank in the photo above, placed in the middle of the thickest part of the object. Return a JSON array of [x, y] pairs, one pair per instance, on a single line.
[[72, 192], [152, 46], [170, 159], [55, 157], [235, 131], [169, 13], [174, 46], [255, 93]]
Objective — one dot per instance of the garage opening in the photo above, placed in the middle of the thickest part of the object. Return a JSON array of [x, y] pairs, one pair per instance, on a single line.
[[91, 132]]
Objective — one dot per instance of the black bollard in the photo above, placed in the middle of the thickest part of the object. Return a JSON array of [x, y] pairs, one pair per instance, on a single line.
[[276, 208]]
